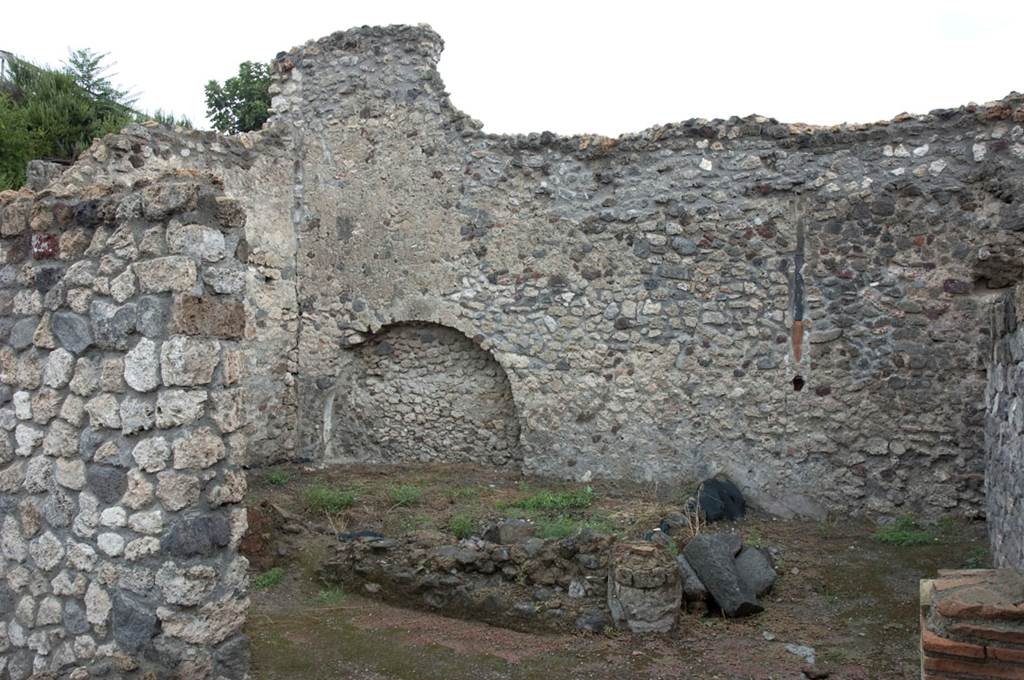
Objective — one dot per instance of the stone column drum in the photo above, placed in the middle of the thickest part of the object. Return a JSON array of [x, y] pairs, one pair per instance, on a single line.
[[644, 590]]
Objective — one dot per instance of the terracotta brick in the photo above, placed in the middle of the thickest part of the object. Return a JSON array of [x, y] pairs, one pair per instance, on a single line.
[[984, 670], [965, 604], [944, 584], [936, 644], [963, 572], [933, 675], [1008, 655], [961, 631]]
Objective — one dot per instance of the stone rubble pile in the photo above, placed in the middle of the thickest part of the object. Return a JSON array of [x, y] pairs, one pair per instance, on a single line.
[[586, 581]]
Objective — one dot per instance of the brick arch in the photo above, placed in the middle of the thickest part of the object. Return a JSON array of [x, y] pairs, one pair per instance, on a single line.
[[422, 391]]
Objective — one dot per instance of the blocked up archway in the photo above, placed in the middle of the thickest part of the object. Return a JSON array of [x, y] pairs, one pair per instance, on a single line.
[[423, 392]]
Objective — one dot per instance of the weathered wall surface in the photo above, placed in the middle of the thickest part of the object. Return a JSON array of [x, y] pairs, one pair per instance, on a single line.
[[1004, 435], [177, 305], [257, 172], [123, 418], [422, 392], [641, 292]]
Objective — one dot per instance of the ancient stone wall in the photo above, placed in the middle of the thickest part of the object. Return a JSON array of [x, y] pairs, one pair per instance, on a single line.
[[656, 299], [805, 310], [422, 392], [1004, 435], [123, 425], [254, 170]]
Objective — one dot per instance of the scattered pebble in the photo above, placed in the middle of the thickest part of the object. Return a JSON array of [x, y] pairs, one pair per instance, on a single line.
[[803, 651]]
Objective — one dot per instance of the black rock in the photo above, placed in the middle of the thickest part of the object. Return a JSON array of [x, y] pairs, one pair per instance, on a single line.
[[592, 620], [200, 535], [364, 533], [86, 213], [233, 657], [755, 569], [74, 618], [152, 316], [22, 332], [71, 330], [59, 509], [510, 531], [88, 442], [112, 325], [19, 664], [6, 600], [108, 483], [133, 624], [720, 499], [712, 558], [693, 589], [672, 523], [47, 277]]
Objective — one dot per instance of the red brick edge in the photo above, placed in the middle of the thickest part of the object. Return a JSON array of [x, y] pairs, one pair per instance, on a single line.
[[972, 625]]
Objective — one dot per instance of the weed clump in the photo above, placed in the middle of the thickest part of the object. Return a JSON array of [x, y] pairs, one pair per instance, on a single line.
[[321, 498], [561, 526], [461, 526], [906, 531], [404, 495], [268, 579], [277, 477], [331, 595], [556, 501]]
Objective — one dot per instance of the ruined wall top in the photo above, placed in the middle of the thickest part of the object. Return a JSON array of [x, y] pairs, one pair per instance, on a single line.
[[400, 63]]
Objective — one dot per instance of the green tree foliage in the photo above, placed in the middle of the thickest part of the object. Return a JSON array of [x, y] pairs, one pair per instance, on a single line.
[[166, 118], [46, 113], [56, 113], [242, 103], [93, 76]]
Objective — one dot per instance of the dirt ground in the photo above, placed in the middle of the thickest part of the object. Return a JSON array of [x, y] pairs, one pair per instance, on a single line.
[[842, 592]]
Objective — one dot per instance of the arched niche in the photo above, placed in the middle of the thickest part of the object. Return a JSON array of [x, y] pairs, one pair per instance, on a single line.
[[417, 392]]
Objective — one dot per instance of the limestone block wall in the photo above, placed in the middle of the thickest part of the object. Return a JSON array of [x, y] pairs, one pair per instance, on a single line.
[[123, 424], [1004, 435], [654, 298], [423, 392]]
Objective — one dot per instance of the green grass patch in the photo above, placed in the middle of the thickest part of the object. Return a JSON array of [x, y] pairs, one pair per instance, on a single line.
[[561, 526], [461, 526], [277, 477], [404, 495], [268, 579], [462, 493], [321, 498], [409, 523], [554, 501], [753, 537], [906, 531], [826, 528], [331, 595], [978, 558]]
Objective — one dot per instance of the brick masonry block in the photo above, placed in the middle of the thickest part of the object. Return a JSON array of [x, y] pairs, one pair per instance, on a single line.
[[971, 625]]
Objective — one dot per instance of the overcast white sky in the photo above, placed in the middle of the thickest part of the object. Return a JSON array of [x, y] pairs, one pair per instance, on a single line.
[[606, 68]]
